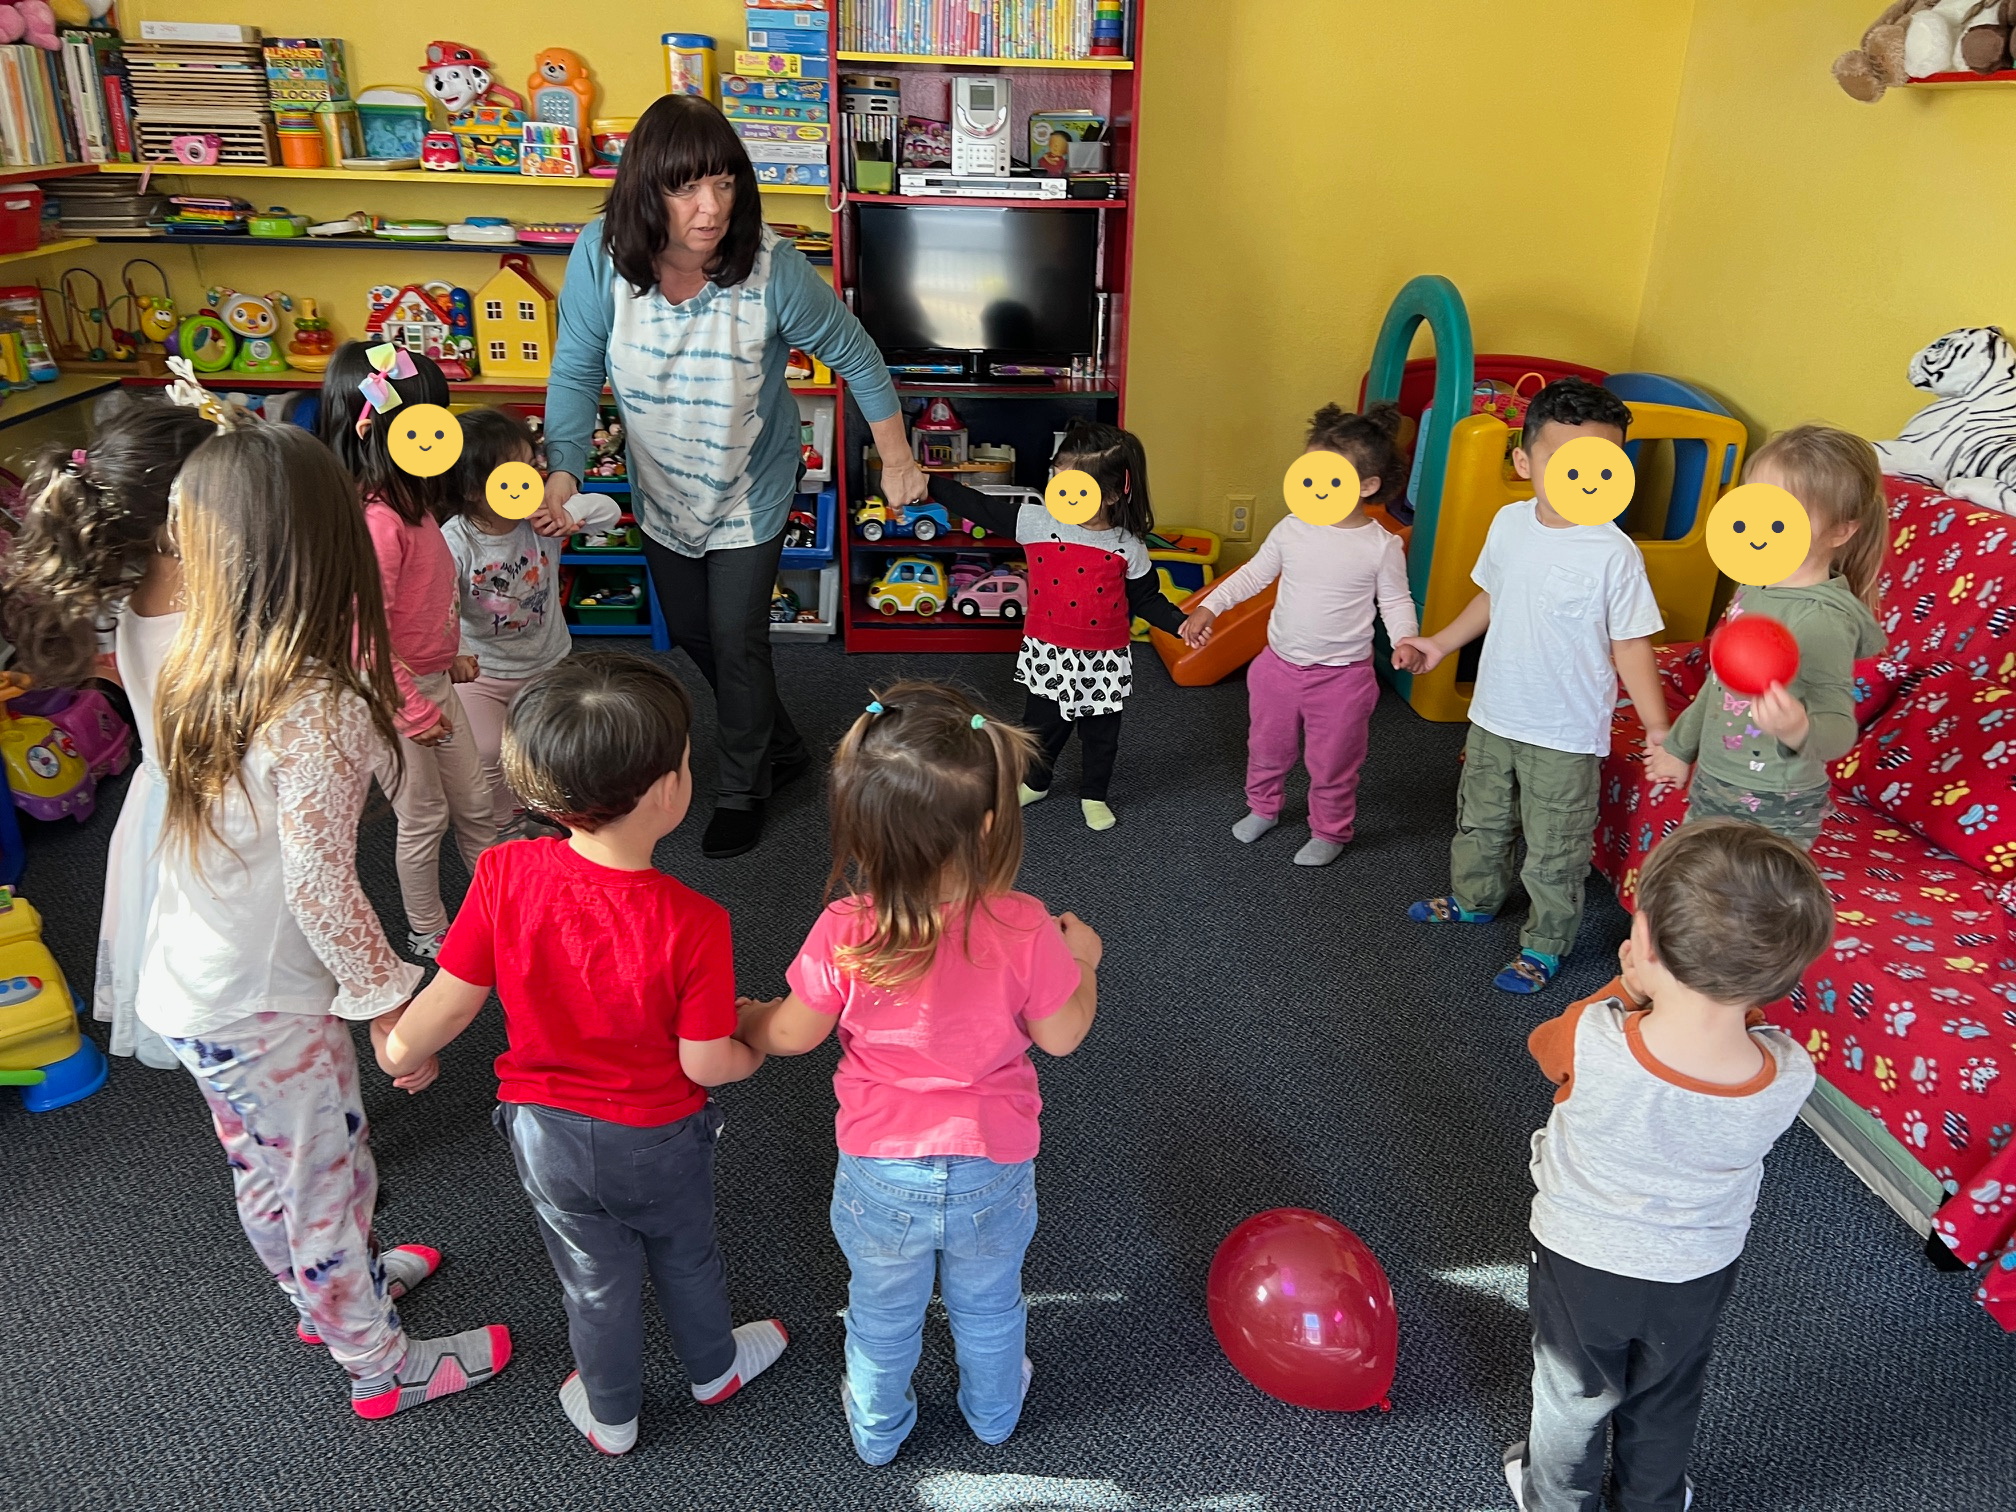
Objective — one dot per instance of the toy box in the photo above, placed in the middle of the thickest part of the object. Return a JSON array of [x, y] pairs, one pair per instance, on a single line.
[[305, 69], [785, 152], [762, 134], [809, 18], [550, 150], [745, 110], [394, 120], [737, 86], [816, 175], [803, 41], [780, 65], [607, 596], [490, 138]]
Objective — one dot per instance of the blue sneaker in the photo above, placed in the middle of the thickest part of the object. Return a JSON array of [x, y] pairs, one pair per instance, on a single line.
[[1444, 911], [1532, 971]]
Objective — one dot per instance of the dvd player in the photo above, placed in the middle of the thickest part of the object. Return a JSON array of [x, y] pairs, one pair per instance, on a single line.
[[944, 184]]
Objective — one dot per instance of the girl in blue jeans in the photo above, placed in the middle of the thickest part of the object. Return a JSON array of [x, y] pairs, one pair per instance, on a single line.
[[939, 976]]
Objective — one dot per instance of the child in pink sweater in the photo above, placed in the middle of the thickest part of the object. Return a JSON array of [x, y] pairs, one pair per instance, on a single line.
[[438, 780], [1313, 687]]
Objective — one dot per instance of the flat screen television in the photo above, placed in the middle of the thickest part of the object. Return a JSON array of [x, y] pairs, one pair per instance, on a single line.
[[1018, 284]]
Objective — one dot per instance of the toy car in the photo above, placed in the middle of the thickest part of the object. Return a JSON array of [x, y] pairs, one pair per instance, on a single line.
[[926, 520], [801, 530], [968, 567], [783, 605], [1001, 594], [913, 584]]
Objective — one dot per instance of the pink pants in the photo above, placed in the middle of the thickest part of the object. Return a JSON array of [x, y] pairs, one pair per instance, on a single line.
[[1326, 712], [486, 701]]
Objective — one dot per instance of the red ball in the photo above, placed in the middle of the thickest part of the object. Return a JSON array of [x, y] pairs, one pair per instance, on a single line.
[[1303, 1310], [1751, 652]]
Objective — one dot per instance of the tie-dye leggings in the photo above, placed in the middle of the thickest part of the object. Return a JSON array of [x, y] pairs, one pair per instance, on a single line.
[[282, 1089]]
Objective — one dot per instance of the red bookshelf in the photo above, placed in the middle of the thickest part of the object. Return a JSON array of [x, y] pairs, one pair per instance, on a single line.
[[1024, 415]]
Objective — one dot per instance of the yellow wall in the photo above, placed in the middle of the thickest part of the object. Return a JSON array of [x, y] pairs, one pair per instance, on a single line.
[[1301, 161], [1809, 245]]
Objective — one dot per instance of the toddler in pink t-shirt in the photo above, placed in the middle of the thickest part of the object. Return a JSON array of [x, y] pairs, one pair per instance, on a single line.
[[938, 977]]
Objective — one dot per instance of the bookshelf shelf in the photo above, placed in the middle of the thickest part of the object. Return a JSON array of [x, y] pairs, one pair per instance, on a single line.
[[67, 389], [950, 60], [391, 176], [45, 171], [333, 244], [51, 249]]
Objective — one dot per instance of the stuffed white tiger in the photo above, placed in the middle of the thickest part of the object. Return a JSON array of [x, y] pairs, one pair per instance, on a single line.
[[1965, 443]]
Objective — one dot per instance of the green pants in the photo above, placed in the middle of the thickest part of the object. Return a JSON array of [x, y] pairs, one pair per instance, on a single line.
[[1796, 816], [1510, 788]]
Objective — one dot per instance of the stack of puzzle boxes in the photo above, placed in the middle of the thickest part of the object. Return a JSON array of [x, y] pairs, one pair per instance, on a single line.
[[780, 95]]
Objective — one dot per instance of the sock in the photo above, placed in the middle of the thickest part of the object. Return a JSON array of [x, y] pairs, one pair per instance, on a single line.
[[426, 946], [757, 1346], [1097, 815], [1031, 795], [434, 1368], [1533, 970], [1317, 852], [1444, 911], [574, 1402], [1252, 827], [406, 1266]]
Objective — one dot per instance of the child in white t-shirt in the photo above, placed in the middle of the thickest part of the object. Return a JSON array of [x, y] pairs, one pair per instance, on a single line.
[[1570, 611]]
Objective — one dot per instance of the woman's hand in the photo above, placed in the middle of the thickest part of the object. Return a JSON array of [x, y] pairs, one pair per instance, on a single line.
[[464, 669], [903, 481], [1781, 716], [560, 487], [1197, 628]]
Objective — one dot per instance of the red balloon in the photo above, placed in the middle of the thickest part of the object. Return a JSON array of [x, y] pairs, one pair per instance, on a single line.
[[1751, 652], [1303, 1311]]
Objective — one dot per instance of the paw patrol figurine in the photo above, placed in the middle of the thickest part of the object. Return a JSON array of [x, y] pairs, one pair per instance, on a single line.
[[255, 320]]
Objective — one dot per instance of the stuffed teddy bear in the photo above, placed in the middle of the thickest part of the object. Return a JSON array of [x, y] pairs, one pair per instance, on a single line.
[[1964, 444], [28, 21], [1933, 37], [1984, 45], [1878, 64], [80, 12]]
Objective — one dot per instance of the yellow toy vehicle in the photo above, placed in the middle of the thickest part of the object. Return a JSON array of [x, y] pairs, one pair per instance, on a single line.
[[909, 584], [38, 1017]]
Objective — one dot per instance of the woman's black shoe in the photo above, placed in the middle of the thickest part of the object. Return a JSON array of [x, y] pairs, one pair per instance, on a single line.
[[732, 832], [784, 773]]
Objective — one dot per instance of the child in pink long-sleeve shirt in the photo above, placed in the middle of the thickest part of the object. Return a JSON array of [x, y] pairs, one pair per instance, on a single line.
[[439, 779], [1314, 686]]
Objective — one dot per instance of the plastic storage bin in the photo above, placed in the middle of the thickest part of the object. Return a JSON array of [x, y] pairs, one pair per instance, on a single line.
[[394, 119], [820, 587], [596, 582]]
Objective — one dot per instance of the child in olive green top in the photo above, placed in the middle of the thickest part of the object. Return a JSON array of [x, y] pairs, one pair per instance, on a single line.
[[1765, 759]]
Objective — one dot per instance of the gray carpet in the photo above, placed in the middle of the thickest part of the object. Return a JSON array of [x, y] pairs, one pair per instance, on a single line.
[[1268, 1036]]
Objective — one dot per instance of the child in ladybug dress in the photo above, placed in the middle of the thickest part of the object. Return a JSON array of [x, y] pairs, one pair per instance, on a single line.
[[1087, 584]]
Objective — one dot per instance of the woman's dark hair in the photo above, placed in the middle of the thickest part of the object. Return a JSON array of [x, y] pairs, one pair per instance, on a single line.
[[94, 517], [367, 456], [1370, 440], [490, 438], [1574, 401], [1116, 462], [585, 742], [679, 139]]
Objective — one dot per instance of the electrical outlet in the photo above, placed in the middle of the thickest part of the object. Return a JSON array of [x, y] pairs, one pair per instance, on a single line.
[[1239, 511]]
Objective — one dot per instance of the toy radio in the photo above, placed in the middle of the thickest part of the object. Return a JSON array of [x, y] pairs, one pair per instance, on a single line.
[[979, 124]]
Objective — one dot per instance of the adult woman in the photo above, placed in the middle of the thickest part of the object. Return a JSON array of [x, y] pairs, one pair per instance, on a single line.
[[688, 305]]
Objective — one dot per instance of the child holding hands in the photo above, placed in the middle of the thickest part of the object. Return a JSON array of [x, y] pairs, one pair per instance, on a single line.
[[1570, 612], [1314, 682], [938, 977], [619, 1020], [507, 574], [1765, 759], [1672, 1091]]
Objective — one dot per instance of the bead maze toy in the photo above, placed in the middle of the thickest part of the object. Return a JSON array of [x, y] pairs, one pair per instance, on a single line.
[[1463, 477], [41, 1048]]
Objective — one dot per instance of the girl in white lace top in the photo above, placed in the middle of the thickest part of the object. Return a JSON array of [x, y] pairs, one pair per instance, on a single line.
[[273, 703]]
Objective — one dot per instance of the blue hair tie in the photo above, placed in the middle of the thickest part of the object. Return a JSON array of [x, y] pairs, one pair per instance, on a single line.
[[874, 708], [979, 720]]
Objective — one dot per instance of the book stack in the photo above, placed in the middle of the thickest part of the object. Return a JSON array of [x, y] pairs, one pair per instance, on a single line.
[[200, 80], [785, 122], [67, 106]]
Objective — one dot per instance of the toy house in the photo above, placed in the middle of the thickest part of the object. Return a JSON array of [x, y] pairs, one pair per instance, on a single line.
[[418, 318], [514, 321]]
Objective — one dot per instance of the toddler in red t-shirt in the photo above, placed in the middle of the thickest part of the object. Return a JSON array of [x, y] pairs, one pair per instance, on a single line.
[[618, 986], [938, 977]]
